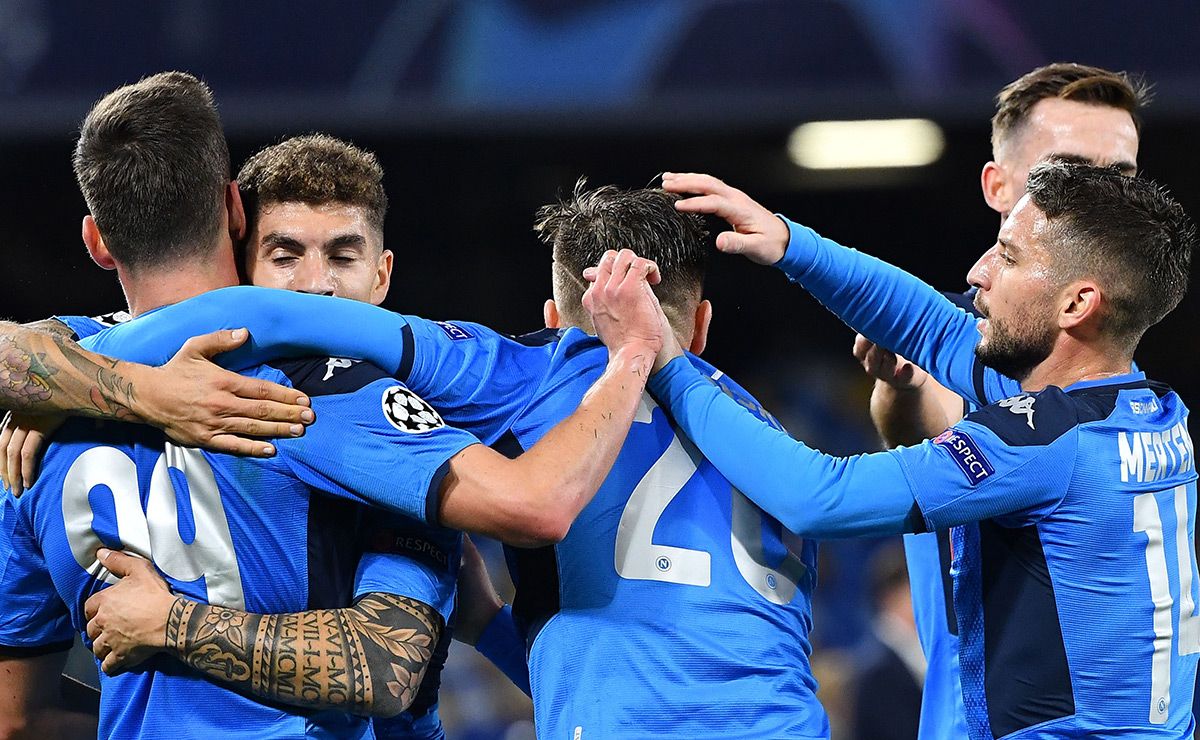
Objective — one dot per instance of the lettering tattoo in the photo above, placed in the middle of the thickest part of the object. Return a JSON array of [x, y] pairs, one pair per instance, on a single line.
[[366, 659], [43, 371]]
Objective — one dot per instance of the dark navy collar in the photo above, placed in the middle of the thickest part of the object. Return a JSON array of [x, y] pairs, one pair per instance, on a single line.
[[1134, 380]]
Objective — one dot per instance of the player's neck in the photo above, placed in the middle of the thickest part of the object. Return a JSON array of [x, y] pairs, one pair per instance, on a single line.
[[1080, 363], [148, 290]]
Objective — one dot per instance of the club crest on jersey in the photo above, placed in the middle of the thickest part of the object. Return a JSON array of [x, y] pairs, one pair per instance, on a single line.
[[454, 331], [408, 412], [966, 454], [1021, 405]]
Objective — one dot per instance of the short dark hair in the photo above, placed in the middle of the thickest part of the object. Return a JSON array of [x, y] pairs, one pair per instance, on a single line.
[[1127, 233], [153, 164], [1066, 81], [582, 227], [315, 169]]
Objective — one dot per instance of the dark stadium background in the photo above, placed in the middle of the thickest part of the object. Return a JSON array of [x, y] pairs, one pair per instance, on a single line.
[[482, 111]]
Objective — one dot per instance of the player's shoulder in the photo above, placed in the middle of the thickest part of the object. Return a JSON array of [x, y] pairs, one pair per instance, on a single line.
[[325, 376], [734, 390], [498, 343], [86, 326], [570, 345], [964, 300], [318, 377], [1040, 418]]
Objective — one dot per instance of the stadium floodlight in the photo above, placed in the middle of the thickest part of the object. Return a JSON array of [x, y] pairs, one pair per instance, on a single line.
[[841, 145]]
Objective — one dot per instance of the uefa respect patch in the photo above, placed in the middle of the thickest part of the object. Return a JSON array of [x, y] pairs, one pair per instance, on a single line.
[[454, 331], [966, 454]]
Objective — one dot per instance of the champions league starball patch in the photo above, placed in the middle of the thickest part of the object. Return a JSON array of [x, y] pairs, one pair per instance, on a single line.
[[408, 412]]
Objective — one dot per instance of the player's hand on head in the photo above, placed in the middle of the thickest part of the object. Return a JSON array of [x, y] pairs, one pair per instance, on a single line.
[[23, 441], [127, 622], [757, 233], [622, 305], [200, 404], [887, 366]]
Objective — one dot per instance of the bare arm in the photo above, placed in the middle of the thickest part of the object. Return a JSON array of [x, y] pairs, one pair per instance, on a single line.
[[909, 417], [533, 499], [44, 373], [907, 406], [29, 704], [477, 600], [366, 659]]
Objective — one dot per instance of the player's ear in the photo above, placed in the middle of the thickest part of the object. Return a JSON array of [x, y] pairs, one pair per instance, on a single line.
[[700, 327], [236, 211], [550, 314], [95, 244], [994, 181], [383, 277], [1080, 306]]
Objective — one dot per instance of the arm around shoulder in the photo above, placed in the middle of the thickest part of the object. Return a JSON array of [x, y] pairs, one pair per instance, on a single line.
[[532, 500]]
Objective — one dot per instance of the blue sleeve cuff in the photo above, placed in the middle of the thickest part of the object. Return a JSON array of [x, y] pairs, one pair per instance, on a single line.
[[803, 245], [675, 377], [502, 644]]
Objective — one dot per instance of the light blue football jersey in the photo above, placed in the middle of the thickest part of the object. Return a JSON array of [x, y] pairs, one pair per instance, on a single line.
[[421, 720], [1072, 512], [251, 534], [928, 558], [671, 609]]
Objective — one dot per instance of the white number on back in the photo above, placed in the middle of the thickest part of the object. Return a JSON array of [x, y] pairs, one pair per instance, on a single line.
[[154, 534], [638, 557], [1146, 518]]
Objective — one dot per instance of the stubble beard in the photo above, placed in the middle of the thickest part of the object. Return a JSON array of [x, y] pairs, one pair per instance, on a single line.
[[1015, 347]]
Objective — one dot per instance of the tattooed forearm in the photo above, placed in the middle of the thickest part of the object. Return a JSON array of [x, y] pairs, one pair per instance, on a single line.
[[43, 371], [366, 659]]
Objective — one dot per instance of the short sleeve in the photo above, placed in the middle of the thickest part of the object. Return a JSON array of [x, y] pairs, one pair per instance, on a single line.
[[81, 326], [1008, 461], [373, 441], [406, 558], [34, 620]]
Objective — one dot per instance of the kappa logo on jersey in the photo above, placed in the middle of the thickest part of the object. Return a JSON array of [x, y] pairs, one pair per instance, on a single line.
[[408, 412], [454, 331], [966, 454], [336, 363], [1021, 405]]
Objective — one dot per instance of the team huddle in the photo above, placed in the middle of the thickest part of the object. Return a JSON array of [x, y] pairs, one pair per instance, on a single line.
[[250, 492]]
